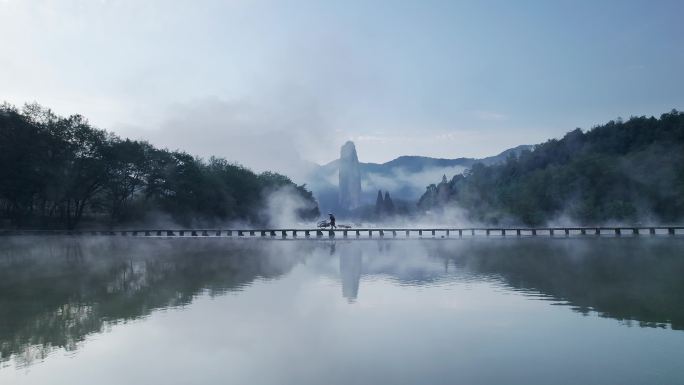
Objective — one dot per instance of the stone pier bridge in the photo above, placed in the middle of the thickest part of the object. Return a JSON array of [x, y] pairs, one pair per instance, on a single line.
[[441, 232]]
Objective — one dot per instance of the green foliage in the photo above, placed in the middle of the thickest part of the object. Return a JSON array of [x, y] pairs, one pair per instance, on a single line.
[[629, 171], [56, 171]]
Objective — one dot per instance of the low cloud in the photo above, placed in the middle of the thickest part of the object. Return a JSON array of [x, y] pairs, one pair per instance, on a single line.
[[283, 207], [254, 134], [401, 179]]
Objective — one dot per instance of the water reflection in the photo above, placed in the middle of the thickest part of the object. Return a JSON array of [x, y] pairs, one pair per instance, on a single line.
[[351, 262], [629, 280], [55, 292]]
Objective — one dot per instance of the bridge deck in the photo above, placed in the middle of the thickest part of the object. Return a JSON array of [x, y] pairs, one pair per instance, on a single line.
[[440, 232]]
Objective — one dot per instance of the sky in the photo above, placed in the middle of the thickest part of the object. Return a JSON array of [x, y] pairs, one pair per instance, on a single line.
[[277, 84]]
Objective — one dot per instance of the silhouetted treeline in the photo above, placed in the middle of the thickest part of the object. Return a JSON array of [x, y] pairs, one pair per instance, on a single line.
[[629, 171], [384, 207], [58, 171]]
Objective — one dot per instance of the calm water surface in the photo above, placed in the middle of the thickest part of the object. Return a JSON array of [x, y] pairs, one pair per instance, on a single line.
[[204, 311]]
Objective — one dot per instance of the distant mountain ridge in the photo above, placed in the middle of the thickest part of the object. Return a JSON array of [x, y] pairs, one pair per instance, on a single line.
[[405, 177], [417, 163]]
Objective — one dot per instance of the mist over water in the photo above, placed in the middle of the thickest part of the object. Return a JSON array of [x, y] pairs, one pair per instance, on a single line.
[[505, 182], [144, 310]]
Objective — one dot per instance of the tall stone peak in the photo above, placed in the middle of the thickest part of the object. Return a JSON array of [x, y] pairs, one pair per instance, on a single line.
[[348, 150], [350, 177]]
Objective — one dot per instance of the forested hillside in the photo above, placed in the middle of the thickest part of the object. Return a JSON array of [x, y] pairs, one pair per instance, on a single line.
[[60, 171], [627, 172]]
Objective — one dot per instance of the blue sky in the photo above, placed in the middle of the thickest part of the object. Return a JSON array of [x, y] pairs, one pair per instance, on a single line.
[[273, 81]]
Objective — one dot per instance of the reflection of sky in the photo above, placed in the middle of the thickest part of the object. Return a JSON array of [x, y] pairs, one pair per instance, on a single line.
[[298, 329]]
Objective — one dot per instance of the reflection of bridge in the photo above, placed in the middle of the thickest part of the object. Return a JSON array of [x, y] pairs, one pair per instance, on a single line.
[[442, 232]]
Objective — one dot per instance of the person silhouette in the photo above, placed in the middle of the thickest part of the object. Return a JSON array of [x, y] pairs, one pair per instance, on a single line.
[[332, 221]]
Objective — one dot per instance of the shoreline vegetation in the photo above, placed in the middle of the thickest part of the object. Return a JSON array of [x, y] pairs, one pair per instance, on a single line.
[[61, 172], [629, 172]]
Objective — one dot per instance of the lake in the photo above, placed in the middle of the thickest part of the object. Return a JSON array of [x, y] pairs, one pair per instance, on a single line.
[[470, 311]]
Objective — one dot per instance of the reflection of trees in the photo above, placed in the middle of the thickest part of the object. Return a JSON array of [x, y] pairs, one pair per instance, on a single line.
[[56, 292], [626, 279]]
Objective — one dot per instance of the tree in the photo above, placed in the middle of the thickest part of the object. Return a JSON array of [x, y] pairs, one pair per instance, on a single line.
[[388, 206], [626, 171], [128, 164], [55, 171], [379, 205]]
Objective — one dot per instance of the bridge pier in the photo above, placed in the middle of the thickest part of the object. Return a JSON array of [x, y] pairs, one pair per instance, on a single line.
[[381, 232]]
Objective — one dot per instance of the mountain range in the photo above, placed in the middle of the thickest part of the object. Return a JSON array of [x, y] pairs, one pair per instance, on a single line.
[[405, 177]]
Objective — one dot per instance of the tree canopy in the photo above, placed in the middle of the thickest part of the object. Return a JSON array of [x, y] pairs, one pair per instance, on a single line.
[[60, 171], [628, 172]]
